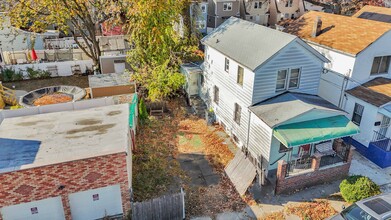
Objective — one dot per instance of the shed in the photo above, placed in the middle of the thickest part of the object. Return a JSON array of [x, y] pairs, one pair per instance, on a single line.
[[111, 84]]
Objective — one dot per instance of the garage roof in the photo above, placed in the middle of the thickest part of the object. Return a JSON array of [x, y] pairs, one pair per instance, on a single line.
[[45, 139]]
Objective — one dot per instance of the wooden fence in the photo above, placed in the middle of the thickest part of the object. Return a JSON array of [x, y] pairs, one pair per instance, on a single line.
[[170, 207]]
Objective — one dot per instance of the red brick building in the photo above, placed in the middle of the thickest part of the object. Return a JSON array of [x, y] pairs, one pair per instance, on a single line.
[[66, 165]]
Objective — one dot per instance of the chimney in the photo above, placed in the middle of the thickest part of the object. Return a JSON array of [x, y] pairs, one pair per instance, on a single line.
[[317, 28]]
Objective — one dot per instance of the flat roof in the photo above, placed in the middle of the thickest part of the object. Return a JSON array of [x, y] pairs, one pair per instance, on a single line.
[[110, 79], [45, 139], [347, 34], [376, 92]]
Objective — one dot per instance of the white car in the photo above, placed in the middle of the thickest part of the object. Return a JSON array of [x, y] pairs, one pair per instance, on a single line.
[[373, 208]]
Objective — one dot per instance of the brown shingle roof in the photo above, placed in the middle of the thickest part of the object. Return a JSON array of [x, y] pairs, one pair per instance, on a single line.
[[347, 34], [373, 9], [376, 92]]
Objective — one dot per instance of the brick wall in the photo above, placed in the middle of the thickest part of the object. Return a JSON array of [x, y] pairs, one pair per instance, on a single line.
[[313, 177], [43, 182]]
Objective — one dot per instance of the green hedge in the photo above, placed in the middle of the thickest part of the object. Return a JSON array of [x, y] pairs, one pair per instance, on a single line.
[[356, 188]]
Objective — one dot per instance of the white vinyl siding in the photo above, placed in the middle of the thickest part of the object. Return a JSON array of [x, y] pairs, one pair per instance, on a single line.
[[292, 56]]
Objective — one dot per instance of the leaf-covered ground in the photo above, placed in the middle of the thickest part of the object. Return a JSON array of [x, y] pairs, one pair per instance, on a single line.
[[314, 210], [156, 170]]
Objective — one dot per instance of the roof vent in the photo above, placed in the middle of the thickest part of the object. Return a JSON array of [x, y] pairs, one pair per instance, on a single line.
[[317, 28]]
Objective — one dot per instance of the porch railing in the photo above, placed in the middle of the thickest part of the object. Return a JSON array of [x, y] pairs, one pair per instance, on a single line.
[[381, 141], [299, 165], [341, 154]]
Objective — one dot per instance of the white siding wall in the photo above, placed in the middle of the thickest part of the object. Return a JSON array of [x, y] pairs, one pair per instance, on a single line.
[[260, 138], [230, 92], [364, 60], [369, 117], [293, 56]]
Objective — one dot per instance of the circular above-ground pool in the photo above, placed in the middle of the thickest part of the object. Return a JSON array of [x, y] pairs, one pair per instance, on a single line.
[[52, 95]]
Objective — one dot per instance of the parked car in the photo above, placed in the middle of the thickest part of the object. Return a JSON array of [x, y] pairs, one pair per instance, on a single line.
[[373, 208]]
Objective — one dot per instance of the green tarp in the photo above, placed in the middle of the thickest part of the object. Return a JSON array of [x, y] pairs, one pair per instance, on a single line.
[[315, 131], [132, 109]]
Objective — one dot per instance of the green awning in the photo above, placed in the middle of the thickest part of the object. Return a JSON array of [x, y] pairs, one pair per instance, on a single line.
[[315, 131], [133, 109]]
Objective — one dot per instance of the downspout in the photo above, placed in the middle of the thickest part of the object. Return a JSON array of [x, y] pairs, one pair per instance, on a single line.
[[248, 128], [343, 88]]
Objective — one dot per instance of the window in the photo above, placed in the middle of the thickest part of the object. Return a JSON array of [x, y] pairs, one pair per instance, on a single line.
[[237, 113], [288, 79], [216, 94], [201, 79], [95, 197], [257, 4], [203, 8], [357, 114], [294, 78], [289, 3], [34, 210], [380, 65], [226, 66], [227, 6], [240, 77]]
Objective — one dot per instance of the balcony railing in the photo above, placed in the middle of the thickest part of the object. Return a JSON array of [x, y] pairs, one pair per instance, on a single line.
[[381, 141]]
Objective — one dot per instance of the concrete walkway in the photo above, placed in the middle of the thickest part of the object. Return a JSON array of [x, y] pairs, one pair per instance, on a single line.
[[363, 166], [199, 169]]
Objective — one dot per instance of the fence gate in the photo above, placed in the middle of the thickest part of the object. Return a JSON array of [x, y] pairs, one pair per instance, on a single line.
[[162, 208]]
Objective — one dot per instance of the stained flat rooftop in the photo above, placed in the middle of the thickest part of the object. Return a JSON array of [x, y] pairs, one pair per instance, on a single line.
[[45, 139], [110, 79]]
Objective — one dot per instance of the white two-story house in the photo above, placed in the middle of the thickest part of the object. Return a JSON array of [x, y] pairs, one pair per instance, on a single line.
[[262, 85], [256, 11], [285, 9], [359, 51]]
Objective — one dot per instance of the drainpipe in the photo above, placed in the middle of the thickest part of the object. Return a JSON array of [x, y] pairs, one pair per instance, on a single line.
[[343, 88], [248, 128]]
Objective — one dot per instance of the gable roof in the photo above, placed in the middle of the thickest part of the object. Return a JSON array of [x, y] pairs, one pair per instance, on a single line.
[[374, 13], [247, 43], [347, 34], [274, 111], [376, 92]]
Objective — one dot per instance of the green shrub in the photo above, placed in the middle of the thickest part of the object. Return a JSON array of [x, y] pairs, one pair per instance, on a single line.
[[37, 74], [9, 74], [142, 111], [356, 188]]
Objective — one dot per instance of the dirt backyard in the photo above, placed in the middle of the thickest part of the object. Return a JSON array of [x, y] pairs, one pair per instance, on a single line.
[[179, 150], [29, 85]]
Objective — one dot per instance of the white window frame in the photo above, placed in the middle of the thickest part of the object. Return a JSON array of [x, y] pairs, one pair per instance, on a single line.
[[203, 8], [288, 79], [359, 111], [382, 59], [237, 113], [227, 6], [237, 76], [226, 65], [216, 94]]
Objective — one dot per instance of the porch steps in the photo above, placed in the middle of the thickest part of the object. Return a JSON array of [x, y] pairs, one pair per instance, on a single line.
[[198, 106]]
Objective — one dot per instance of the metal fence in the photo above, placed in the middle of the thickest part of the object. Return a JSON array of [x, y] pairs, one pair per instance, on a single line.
[[381, 141]]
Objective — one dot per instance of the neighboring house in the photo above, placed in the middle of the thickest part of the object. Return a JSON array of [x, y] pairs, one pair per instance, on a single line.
[[285, 9], [265, 96], [66, 164], [359, 51], [314, 6], [374, 13], [199, 16], [369, 106], [256, 11], [221, 10]]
